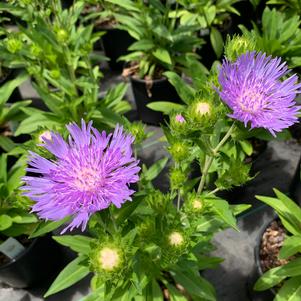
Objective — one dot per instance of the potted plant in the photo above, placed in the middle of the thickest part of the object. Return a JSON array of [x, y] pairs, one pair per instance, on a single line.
[[148, 247], [159, 241], [214, 20], [278, 252], [10, 114], [162, 44], [269, 36], [60, 67], [24, 261], [115, 41]]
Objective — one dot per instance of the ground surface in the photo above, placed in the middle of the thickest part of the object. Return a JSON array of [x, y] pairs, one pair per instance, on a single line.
[[277, 166]]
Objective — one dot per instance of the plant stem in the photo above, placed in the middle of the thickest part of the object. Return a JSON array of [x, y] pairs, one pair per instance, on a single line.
[[214, 191], [208, 162], [209, 159], [222, 142], [179, 200]]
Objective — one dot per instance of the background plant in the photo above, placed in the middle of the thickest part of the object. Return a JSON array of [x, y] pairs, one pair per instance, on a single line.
[[207, 14], [56, 51], [162, 44], [288, 276], [279, 35]]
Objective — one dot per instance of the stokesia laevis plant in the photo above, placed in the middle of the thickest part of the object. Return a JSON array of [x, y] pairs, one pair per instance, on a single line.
[[91, 172], [252, 87]]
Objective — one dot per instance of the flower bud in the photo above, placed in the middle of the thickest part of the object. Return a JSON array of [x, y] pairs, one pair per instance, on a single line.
[[109, 258], [197, 204], [239, 45], [200, 109], [176, 239], [13, 45], [55, 73], [179, 118], [46, 135], [177, 178], [137, 129], [35, 50], [179, 151], [62, 35]]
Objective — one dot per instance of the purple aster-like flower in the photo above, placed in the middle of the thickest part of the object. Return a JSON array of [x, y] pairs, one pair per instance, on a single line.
[[252, 87], [91, 172]]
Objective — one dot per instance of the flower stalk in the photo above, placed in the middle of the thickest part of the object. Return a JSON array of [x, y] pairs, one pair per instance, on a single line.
[[209, 159]]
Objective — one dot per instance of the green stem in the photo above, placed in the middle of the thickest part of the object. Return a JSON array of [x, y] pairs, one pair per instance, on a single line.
[[208, 162], [214, 191], [209, 159], [179, 200]]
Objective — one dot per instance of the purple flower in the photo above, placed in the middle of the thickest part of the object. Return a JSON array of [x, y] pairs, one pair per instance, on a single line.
[[92, 171], [253, 89], [179, 118]]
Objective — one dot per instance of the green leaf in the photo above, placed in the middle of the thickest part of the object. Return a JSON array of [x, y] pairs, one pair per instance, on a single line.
[[142, 45], [155, 169], [46, 227], [156, 291], [195, 285], [276, 275], [162, 55], [127, 4], [216, 41], [71, 274], [165, 106], [7, 89], [291, 246], [5, 222], [238, 209], [288, 211], [222, 209], [127, 209], [33, 122], [246, 146], [290, 291], [175, 294], [6, 143], [77, 243], [184, 90]]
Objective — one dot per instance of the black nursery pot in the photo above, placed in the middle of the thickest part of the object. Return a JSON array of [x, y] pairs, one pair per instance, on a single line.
[[39, 262], [115, 44], [161, 90], [295, 187], [270, 293]]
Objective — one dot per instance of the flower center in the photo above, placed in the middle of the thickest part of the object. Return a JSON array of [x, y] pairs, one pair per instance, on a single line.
[[250, 102], [87, 179], [109, 258]]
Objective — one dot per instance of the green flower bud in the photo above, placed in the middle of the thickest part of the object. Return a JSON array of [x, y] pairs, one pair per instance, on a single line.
[[55, 74], [176, 239], [35, 50], [62, 35], [197, 204], [107, 258], [194, 204], [32, 70], [201, 109], [239, 45], [44, 135], [13, 45], [179, 151], [137, 129], [177, 178]]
